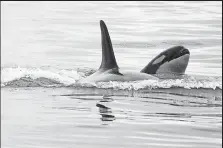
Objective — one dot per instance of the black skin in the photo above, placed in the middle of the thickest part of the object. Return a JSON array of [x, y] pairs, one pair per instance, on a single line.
[[170, 54], [109, 62], [108, 57]]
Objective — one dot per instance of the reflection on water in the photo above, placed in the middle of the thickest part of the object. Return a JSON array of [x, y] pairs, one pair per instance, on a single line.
[[105, 112], [85, 120]]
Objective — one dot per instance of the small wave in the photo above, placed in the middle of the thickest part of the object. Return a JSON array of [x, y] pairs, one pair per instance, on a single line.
[[23, 76], [37, 77]]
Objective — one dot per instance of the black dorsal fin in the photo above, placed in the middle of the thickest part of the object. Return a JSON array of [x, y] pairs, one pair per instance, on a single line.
[[108, 57]]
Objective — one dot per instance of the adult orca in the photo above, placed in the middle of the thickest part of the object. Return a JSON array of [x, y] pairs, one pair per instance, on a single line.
[[109, 70]]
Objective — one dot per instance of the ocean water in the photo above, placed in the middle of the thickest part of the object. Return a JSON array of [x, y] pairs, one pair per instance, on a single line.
[[47, 47]]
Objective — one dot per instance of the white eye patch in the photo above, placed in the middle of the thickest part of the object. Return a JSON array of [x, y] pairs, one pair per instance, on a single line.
[[158, 60]]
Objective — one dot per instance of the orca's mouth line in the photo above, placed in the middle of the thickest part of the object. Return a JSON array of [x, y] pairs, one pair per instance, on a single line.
[[179, 57], [184, 51]]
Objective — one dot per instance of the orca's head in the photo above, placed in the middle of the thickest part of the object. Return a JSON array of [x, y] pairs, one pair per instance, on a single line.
[[173, 60]]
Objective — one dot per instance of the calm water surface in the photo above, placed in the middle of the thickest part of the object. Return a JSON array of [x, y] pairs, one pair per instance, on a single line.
[[49, 43]]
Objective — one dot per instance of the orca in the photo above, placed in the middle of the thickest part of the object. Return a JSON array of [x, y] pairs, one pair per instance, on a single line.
[[171, 61], [109, 69]]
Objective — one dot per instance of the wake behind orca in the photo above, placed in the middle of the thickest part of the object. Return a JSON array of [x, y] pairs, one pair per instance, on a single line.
[[173, 60]]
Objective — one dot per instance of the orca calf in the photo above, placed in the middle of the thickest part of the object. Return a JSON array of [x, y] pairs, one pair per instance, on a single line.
[[173, 60]]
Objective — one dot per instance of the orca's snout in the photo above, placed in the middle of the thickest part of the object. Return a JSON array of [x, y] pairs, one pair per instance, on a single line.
[[185, 51]]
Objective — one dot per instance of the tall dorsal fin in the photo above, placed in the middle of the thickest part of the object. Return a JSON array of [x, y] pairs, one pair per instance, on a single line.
[[108, 57]]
